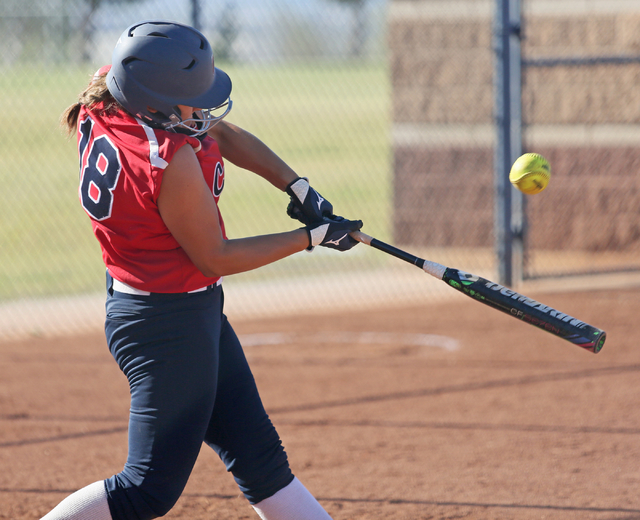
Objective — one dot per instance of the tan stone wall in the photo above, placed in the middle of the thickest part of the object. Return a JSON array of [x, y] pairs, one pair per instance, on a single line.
[[600, 94], [595, 94], [442, 69], [582, 210], [441, 76], [447, 203]]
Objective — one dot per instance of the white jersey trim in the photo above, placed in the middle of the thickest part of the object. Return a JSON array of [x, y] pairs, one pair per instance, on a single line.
[[127, 289], [154, 150]]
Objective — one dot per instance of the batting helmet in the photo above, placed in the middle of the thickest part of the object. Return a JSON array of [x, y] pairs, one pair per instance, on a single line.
[[160, 65]]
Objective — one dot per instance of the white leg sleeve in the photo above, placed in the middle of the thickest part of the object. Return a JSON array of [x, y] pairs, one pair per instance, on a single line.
[[89, 503], [293, 502]]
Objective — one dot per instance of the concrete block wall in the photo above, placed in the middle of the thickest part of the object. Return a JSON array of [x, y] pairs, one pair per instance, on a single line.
[[586, 120]]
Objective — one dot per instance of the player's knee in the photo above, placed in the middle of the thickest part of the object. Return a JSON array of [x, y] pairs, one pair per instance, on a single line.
[[129, 501], [258, 462], [258, 482]]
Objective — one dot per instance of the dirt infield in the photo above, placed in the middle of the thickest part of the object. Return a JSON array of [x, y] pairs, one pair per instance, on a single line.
[[441, 411]]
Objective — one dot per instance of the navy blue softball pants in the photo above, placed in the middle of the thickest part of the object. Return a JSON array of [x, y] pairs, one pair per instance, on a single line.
[[190, 383]]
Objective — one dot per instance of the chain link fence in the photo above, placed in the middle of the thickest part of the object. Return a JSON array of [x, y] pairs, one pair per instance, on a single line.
[[443, 135], [387, 106], [581, 110], [310, 79]]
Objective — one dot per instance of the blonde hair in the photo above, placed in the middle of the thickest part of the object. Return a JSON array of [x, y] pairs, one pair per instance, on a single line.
[[90, 97]]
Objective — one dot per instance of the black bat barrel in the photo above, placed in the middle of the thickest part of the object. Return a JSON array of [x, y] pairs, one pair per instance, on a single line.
[[523, 308]]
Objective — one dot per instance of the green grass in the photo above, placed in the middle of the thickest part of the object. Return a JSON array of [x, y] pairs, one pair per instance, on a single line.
[[329, 122]]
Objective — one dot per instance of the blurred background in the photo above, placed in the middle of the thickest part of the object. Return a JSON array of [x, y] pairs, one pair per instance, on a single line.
[[388, 107]]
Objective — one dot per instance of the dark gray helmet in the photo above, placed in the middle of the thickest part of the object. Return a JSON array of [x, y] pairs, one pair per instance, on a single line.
[[160, 65]]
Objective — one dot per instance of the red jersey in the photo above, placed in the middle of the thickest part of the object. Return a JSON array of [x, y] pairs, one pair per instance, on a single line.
[[122, 161]]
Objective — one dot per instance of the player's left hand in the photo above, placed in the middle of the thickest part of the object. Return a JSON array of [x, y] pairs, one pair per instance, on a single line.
[[306, 204]]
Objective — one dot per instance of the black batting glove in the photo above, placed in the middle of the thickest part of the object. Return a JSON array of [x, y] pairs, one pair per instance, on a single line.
[[306, 204], [333, 232], [296, 214]]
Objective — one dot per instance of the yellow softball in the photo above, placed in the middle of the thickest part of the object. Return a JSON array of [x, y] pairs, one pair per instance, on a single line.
[[530, 173]]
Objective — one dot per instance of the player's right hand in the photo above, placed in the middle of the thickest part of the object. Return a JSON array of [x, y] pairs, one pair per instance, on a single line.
[[333, 232], [306, 204]]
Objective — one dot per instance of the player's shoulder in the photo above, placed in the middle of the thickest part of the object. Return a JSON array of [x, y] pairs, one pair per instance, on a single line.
[[169, 142], [172, 137]]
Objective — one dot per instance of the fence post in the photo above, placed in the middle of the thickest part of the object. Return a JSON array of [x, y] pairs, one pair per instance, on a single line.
[[508, 205], [196, 15]]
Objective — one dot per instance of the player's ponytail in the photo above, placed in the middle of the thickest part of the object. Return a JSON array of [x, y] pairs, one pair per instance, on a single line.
[[93, 95]]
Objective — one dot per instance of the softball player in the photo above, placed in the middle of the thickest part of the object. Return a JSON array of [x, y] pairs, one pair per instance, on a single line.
[[151, 153]]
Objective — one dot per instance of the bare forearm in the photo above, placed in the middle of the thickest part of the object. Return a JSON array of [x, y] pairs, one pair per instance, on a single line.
[[245, 254], [247, 151]]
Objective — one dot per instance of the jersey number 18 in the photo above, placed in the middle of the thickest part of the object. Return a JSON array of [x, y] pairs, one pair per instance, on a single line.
[[100, 175]]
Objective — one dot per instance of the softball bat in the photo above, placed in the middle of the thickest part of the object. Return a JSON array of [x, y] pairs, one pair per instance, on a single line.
[[501, 298]]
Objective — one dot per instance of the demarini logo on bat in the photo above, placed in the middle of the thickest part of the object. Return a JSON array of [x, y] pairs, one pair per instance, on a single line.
[[536, 305]]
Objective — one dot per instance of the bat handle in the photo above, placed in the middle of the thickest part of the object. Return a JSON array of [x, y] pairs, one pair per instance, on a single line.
[[361, 237], [432, 268]]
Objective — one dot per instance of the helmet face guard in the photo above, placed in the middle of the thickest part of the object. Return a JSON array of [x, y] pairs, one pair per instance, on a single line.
[[159, 65], [201, 121]]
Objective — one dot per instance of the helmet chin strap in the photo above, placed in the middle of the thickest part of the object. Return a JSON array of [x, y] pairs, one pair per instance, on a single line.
[[204, 120]]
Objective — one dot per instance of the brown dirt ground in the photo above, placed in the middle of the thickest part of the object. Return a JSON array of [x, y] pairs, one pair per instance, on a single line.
[[515, 423]]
